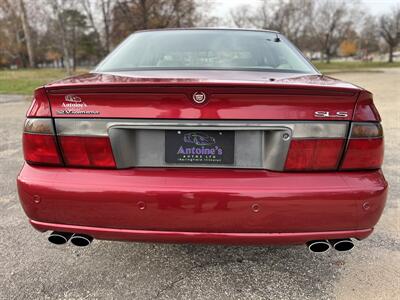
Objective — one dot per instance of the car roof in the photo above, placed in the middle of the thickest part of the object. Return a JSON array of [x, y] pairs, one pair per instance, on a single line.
[[208, 28]]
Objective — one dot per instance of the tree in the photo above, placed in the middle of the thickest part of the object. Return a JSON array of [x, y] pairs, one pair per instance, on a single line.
[[369, 36], [332, 21], [132, 15], [204, 14], [74, 26], [13, 49], [242, 16], [348, 48], [58, 9], [293, 18], [106, 9], [90, 8], [101, 25], [9, 28], [27, 33], [390, 30]]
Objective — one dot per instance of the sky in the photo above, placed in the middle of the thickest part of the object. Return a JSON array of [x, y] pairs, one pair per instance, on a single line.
[[222, 7]]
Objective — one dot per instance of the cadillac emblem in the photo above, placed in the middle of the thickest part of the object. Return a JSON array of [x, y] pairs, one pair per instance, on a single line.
[[199, 97]]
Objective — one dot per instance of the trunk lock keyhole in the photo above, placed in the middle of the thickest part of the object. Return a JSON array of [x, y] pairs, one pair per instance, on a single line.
[[286, 136]]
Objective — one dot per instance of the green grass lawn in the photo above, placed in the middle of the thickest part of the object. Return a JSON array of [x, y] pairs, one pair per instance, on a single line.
[[23, 82], [348, 66]]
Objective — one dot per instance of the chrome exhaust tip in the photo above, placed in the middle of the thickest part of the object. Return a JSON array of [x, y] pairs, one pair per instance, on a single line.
[[59, 238], [318, 246], [81, 240], [342, 245]]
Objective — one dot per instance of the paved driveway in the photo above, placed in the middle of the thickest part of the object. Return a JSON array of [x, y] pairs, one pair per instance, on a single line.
[[31, 268]]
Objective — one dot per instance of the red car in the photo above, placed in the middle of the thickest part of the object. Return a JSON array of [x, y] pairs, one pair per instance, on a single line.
[[204, 136]]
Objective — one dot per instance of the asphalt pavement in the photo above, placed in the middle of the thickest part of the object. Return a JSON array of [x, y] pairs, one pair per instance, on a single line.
[[31, 268]]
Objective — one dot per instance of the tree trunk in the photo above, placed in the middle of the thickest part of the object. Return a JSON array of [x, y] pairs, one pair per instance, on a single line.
[[145, 17], [326, 48], [177, 9], [105, 7], [74, 48], [27, 33], [390, 54], [328, 56], [107, 37], [66, 57], [63, 37], [89, 12]]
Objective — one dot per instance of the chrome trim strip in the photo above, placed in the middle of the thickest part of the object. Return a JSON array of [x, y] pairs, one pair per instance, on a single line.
[[320, 130], [258, 144], [299, 129], [40, 126]]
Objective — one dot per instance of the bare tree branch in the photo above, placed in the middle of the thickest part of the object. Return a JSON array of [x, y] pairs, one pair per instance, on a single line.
[[390, 30]]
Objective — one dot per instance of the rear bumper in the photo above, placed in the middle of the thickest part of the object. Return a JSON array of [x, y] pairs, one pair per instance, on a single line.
[[203, 205], [203, 237]]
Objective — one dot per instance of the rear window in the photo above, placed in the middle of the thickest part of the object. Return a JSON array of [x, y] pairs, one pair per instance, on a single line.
[[206, 49]]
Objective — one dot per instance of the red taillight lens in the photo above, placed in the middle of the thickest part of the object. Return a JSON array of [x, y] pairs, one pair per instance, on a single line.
[[365, 110], [314, 154], [363, 154], [40, 149], [365, 148], [87, 151], [40, 106]]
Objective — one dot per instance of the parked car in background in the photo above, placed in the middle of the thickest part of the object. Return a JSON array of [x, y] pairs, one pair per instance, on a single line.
[[204, 136]]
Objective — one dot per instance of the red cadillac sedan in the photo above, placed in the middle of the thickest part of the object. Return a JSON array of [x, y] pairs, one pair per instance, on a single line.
[[204, 136]]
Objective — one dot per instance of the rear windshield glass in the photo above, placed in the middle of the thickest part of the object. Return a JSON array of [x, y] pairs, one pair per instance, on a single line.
[[206, 49]]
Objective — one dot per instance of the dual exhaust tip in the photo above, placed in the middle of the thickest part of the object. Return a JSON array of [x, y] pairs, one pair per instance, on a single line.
[[60, 238], [82, 240], [341, 245]]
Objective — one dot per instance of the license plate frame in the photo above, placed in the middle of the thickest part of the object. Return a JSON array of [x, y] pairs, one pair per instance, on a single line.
[[200, 147]]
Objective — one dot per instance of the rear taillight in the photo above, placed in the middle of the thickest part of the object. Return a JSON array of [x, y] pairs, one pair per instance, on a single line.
[[365, 147], [40, 106], [40, 146], [316, 146], [40, 149], [363, 150], [365, 110], [39, 142], [314, 154], [87, 151]]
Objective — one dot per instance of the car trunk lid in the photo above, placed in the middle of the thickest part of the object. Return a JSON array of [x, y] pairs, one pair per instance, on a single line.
[[264, 97]]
